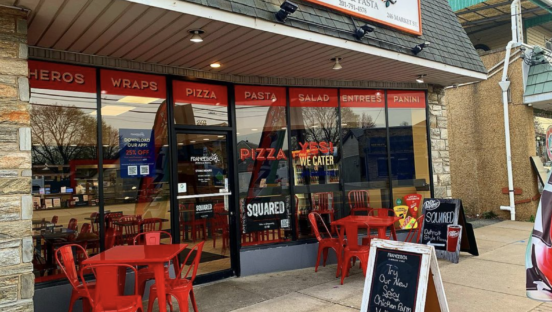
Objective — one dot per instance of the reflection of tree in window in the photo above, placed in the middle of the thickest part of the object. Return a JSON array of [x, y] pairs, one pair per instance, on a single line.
[[61, 134], [321, 124]]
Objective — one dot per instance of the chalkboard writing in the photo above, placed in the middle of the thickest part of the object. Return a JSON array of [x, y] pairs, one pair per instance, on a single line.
[[438, 214], [204, 211], [394, 281]]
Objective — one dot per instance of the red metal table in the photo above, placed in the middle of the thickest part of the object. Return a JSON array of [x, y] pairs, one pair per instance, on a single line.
[[154, 256], [381, 223]]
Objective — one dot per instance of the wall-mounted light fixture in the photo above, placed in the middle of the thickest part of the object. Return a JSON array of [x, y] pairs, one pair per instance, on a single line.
[[286, 9], [215, 65], [363, 30], [418, 48], [336, 66], [420, 78], [196, 35]]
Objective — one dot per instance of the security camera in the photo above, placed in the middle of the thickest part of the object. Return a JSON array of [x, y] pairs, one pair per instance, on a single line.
[[363, 30], [285, 9]]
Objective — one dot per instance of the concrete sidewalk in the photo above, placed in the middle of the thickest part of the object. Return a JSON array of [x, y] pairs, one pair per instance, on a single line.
[[494, 281]]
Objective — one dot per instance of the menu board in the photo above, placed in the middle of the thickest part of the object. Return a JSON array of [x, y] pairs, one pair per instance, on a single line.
[[438, 214], [204, 211], [395, 283], [402, 277], [265, 213]]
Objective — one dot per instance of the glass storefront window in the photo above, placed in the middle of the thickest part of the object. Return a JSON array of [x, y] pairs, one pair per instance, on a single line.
[[364, 139], [409, 153], [315, 140], [263, 171], [200, 104], [136, 162], [64, 135]]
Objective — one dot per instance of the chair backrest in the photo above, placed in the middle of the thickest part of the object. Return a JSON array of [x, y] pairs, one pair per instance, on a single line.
[[85, 228], [150, 238], [65, 259], [416, 230], [72, 224], [110, 238], [348, 235], [315, 218], [193, 266], [151, 224], [381, 212], [55, 219], [323, 200], [359, 199], [107, 284]]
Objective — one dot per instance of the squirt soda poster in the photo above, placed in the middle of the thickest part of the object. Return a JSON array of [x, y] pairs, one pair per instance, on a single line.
[[538, 258]]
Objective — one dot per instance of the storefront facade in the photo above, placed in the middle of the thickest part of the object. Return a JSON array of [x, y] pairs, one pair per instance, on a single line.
[[236, 156]]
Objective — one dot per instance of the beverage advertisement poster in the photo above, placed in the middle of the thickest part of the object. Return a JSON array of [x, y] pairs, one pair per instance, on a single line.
[[137, 153], [538, 258]]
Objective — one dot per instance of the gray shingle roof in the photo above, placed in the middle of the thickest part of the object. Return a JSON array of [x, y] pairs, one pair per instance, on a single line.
[[539, 79], [449, 43]]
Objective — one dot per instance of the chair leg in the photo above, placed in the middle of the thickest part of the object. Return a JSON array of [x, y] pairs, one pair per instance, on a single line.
[[169, 301], [325, 256], [318, 259], [72, 302], [86, 306], [152, 297], [344, 269], [182, 302], [194, 304]]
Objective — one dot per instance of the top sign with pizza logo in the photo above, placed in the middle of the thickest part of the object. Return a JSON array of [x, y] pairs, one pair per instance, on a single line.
[[404, 15]]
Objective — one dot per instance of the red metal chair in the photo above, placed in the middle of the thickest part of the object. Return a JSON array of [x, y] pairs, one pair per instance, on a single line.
[[348, 236], [146, 274], [73, 224], [415, 232], [112, 216], [359, 201], [219, 224], [181, 287], [126, 228], [106, 296], [151, 224], [85, 228], [188, 222], [66, 261], [325, 243], [324, 205]]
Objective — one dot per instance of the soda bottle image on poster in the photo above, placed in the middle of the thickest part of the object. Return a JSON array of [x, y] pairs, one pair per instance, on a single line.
[[137, 153], [538, 258]]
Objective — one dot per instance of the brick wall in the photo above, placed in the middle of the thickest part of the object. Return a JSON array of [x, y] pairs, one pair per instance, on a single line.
[[16, 245], [438, 124]]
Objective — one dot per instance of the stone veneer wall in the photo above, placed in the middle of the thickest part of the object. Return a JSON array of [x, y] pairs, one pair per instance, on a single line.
[[438, 124], [16, 245]]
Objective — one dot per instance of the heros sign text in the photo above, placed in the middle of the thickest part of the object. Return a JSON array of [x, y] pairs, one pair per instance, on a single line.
[[137, 153], [265, 213]]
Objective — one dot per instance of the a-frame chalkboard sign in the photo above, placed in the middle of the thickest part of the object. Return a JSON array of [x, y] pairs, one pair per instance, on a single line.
[[403, 277], [439, 213]]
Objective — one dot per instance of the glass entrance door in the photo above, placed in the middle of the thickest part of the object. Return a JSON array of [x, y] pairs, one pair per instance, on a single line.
[[203, 197]]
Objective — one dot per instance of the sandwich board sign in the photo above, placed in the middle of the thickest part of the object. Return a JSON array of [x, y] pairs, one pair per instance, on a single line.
[[440, 215], [403, 277]]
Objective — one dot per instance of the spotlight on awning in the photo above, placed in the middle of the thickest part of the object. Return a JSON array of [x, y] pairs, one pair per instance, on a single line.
[[286, 9], [363, 30], [420, 78], [418, 48], [196, 35], [336, 66]]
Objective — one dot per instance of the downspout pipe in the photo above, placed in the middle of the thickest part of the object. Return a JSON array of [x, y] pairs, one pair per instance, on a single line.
[[505, 86]]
